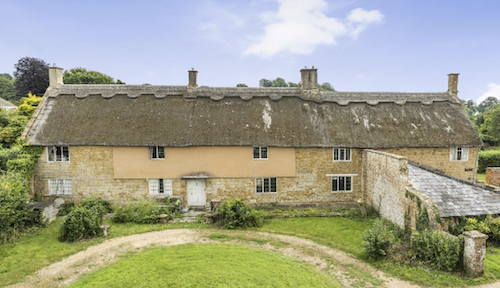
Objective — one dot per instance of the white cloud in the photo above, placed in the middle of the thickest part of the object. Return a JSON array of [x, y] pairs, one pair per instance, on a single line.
[[299, 26], [493, 90]]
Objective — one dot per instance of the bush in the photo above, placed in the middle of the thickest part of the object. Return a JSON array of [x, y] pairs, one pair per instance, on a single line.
[[14, 211], [494, 225], [94, 205], [141, 213], [381, 236], [235, 213], [438, 249], [81, 223], [65, 209], [488, 158]]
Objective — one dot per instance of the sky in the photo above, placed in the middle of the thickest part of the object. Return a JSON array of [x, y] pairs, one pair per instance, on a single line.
[[356, 45]]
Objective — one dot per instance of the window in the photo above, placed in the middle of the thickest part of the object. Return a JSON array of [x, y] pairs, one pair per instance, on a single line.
[[459, 153], [58, 153], [160, 186], [157, 152], [341, 183], [341, 154], [259, 152], [60, 187], [266, 185]]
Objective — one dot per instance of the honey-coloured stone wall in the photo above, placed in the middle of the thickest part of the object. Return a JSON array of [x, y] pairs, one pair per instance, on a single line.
[[439, 160]]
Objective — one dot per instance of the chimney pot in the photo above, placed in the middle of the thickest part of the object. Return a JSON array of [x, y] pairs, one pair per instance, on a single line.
[[453, 83], [309, 78], [192, 78], [55, 77]]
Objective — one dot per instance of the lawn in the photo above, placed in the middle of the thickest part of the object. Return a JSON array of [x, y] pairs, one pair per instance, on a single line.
[[32, 252], [481, 177], [208, 265]]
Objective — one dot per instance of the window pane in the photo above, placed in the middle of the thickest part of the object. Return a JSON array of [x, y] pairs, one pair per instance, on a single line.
[[167, 186], [65, 153], [336, 154], [51, 151], [274, 185], [342, 154], [60, 187], [161, 189], [263, 152], [341, 183], [348, 154], [52, 187], [68, 187], [348, 181], [258, 185], [335, 184], [161, 152], [459, 153], [58, 153], [153, 186], [266, 185]]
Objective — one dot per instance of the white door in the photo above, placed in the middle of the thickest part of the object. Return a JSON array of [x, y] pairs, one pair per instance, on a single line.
[[196, 192]]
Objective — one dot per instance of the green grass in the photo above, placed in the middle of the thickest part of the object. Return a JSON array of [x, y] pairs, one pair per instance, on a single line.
[[208, 265], [32, 252], [481, 177], [338, 232]]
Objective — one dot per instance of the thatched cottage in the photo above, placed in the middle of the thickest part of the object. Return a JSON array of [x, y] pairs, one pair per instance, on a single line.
[[287, 146]]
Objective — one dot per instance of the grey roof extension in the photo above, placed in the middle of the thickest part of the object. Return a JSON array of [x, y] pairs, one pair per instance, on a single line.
[[6, 104], [177, 116], [454, 197]]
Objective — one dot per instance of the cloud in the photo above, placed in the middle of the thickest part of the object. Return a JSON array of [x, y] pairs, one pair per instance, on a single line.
[[298, 27], [493, 90]]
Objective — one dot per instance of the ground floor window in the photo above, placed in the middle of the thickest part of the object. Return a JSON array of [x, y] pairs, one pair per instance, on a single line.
[[160, 186], [266, 185], [60, 187], [341, 183]]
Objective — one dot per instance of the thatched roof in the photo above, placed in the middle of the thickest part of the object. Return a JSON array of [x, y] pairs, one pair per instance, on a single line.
[[133, 115]]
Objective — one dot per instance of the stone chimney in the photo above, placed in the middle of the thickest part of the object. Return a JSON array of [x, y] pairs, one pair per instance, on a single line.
[[192, 78], [55, 77], [453, 83], [309, 78]]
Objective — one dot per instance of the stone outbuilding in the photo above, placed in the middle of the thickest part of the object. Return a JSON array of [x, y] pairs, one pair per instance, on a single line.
[[283, 146]]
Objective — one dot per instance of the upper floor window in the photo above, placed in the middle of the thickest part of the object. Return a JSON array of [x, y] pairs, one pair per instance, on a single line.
[[58, 153], [459, 153], [156, 152], [341, 183], [266, 185], [259, 152], [341, 154], [160, 186]]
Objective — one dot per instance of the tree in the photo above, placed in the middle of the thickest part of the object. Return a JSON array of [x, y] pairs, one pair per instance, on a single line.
[[32, 75], [265, 83], [325, 87], [29, 105], [490, 129], [84, 76], [291, 84], [241, 85], [7, 87], [279, 82], [487, 104]]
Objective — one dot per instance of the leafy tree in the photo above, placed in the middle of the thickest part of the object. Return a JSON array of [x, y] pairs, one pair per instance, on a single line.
[[265, 83], [487, 104], [84, 76], [7, 87], [29, 105], [32, 75], [325, 87], [291, 84], [241, 85], [490, 129], [279, 82]]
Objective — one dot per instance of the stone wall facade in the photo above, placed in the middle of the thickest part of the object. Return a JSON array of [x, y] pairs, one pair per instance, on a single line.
[[439, 160], [91, 171]]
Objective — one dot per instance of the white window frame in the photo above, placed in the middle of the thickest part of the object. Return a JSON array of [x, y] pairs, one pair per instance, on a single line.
[[156, 186], [50, 149], [346, 152], [260, 148], [56, 184], [262, 180], [153, 149], [350, 176], [459, 152]]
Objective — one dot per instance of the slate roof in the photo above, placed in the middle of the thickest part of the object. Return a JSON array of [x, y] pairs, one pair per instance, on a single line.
[[454, 197], [6, 104], [144, 115]]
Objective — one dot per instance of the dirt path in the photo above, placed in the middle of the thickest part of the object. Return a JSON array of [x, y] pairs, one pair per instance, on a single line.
[[348, 270]]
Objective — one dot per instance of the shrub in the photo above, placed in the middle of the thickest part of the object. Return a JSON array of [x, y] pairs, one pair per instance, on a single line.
[[65, 209], [488, 158], [94, 205], [14, 211], [81, 223], [438, 249], [381, 236], [475, 224], [140, 213], [235, 213], [494, 225]]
